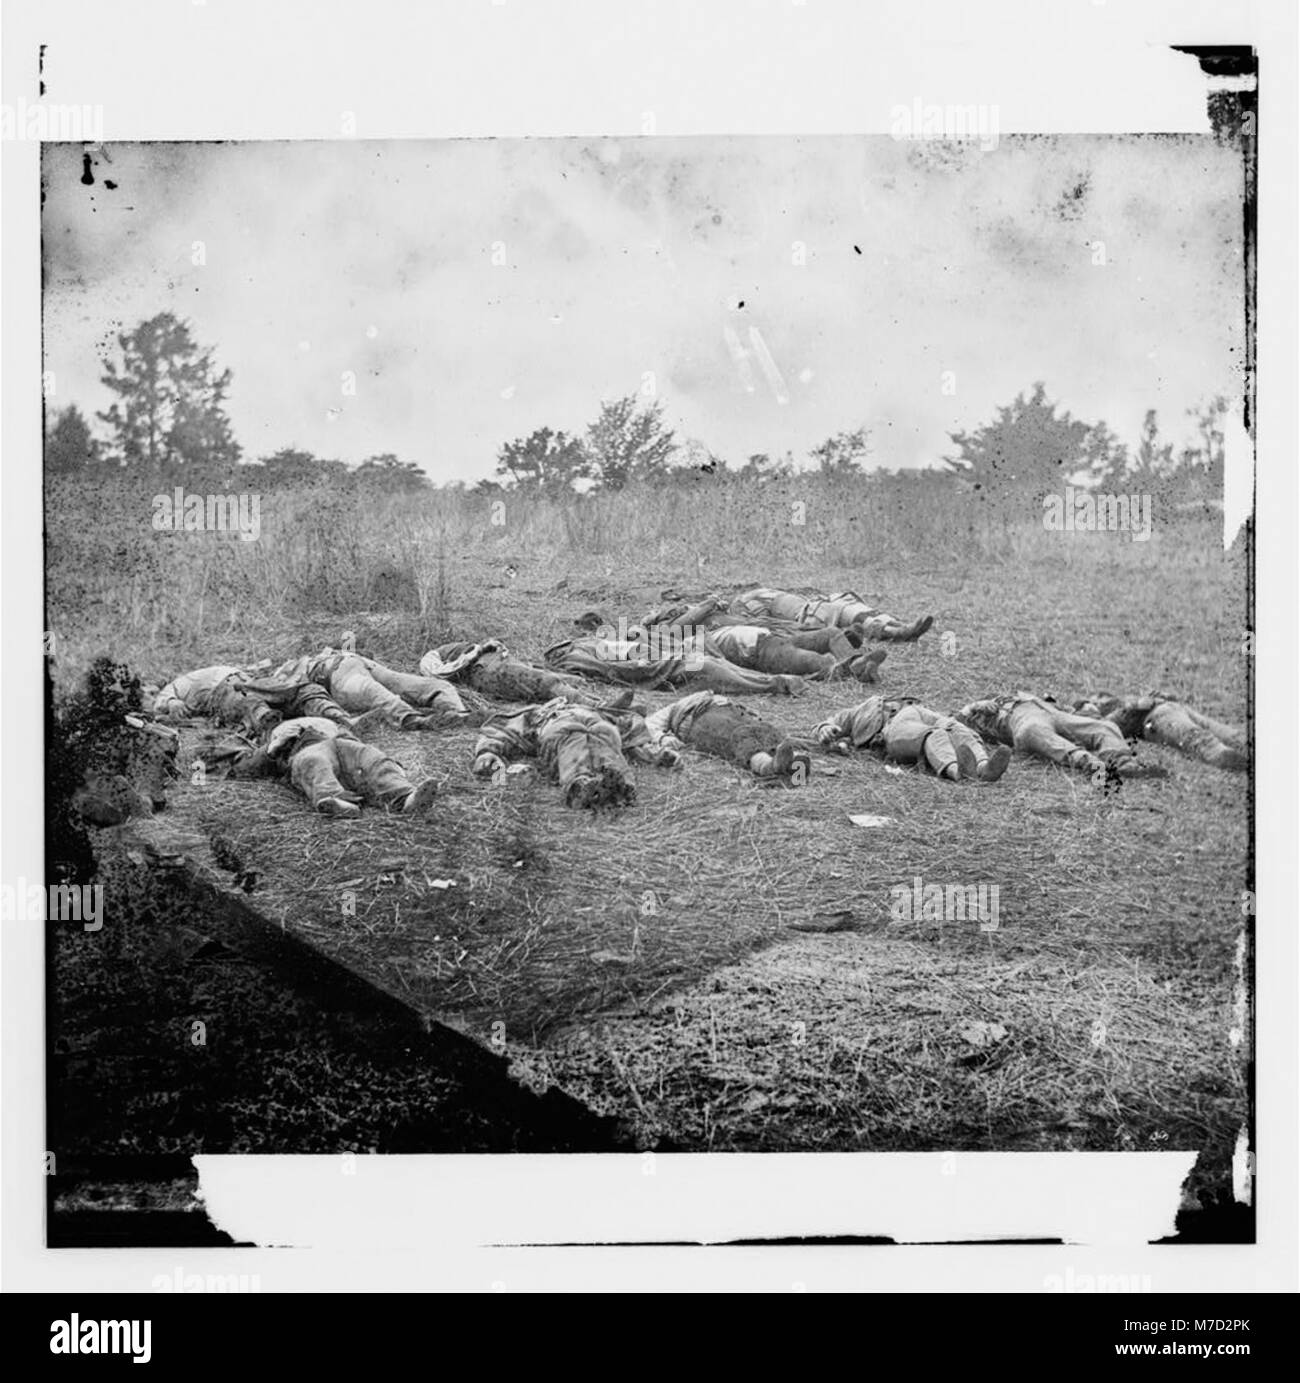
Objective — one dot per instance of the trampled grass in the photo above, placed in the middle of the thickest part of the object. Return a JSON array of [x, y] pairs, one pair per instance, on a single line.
[[652, 962]]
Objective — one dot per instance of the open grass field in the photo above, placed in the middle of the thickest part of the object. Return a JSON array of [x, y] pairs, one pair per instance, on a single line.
[[717, 965]]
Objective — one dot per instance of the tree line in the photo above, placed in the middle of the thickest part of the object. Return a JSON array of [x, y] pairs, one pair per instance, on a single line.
[[167, 421]]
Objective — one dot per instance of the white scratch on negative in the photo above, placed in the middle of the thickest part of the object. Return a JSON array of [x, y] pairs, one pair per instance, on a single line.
[[741, 358], [768, 364]]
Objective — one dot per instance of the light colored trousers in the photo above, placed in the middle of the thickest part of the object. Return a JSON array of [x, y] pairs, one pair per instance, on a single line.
[[1211, 741], [572, 747], [1073, 741], [917, 732], [837, 614], [344, 767], [359, 685]]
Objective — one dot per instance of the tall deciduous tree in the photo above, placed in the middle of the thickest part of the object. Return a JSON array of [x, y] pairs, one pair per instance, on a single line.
[[843, 454], [1154, 464], [545, 462], [629, 442], [1210, 425], [168, 416], [1108, 459], [1029, 448]]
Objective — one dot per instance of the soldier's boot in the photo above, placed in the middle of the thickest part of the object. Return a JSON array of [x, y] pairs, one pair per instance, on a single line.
[[421, 798], [906, 633]]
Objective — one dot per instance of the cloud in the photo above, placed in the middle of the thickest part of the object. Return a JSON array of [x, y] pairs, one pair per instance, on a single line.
[[571, 270]]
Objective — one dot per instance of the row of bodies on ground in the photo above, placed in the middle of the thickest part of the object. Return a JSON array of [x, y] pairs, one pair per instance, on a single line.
[[308, 721]]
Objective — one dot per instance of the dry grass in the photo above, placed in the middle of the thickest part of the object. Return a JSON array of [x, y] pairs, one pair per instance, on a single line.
[[650, 961]]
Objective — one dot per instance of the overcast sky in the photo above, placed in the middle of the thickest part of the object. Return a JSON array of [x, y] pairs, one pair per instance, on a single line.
[[867, 268]]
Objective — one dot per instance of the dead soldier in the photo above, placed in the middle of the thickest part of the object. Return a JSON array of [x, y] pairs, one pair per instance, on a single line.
[[250, 704], [336, 772], [358, 684], [907, 732], [820, 655], [1164, 721], [492, 670], [717, 726], [843, 611], [1036, 725], [584, 749], [640, 662], [218, 693]]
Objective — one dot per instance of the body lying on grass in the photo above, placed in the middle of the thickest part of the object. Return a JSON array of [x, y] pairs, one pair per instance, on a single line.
[[408, 700], [492, 670], [689, 663], [717, 726], [844, 611], [324, 761], [1038, 726], [1164, 721], [821, 655], [583, 748], [907, 732], [219, 693], [238, 698]]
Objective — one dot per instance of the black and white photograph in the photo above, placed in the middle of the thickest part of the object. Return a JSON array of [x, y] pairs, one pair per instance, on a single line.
[[599, 649]]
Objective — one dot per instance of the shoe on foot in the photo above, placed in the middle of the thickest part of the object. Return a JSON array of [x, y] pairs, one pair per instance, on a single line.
[[787, 684], [907, 633], [337, 806], [968, 764], [996, 765], [866, 666], [421, 798]]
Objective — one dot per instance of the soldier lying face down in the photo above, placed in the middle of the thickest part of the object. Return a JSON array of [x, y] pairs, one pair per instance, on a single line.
[[838, 612], [1164, 721], [1040, 727], [668, 662], [714, 725], [907, 732], [336, 772], [583, 748]]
